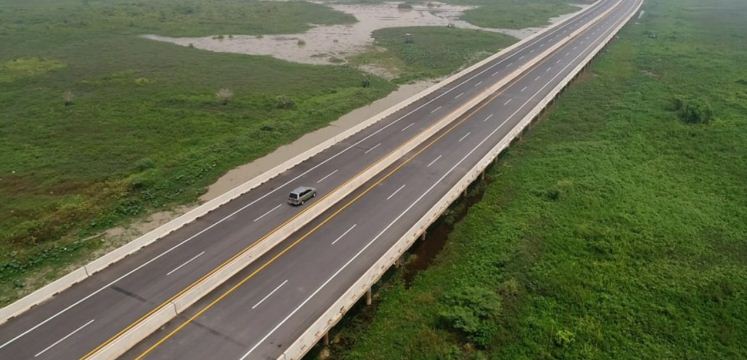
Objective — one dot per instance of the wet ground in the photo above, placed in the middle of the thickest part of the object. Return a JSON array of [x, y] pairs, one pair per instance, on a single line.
[[333, 44]]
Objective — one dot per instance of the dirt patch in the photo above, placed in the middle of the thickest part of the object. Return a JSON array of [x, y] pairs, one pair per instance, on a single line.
[[334, 44]]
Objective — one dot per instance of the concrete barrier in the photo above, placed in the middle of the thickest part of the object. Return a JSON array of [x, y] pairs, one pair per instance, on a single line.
[[48, 291], [337, 310], [114, 347]]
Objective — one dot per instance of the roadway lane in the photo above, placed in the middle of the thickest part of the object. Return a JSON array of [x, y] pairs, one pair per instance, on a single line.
[[97, 308], [265, 308]]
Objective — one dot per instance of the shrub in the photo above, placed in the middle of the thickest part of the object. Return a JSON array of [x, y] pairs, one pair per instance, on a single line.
[[284, 102], [693, 111], [472, 312], [144, 164]]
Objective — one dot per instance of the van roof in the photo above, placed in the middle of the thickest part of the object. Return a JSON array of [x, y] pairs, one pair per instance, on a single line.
[[300, 189]]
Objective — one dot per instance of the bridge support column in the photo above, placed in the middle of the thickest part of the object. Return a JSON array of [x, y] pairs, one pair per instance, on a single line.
[[422, 237], [369, 297], [326, 339]]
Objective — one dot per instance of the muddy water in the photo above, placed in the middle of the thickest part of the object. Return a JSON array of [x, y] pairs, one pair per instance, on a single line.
[[333, 44]]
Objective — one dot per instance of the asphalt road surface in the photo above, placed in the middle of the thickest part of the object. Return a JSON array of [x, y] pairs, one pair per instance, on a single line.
[[303, 275], [267, 306]]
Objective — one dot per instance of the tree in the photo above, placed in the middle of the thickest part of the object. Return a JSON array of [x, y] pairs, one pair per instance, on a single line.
[[472, 312], [224, 95]]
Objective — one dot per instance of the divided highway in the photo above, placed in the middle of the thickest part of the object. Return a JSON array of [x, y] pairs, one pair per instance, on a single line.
[[260, 312], [268, 305]]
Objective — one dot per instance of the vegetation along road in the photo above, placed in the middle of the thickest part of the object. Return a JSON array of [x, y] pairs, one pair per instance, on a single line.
[[617, 229]]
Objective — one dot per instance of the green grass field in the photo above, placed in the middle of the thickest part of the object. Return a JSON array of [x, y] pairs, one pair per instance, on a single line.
[[515, 14], [614, 230], [431, 52]]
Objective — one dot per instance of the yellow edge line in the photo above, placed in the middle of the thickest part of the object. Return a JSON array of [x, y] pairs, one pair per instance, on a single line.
[[465, 117], [328, 219]]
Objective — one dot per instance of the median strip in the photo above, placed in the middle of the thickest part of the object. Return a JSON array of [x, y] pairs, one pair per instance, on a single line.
[[162, 314]]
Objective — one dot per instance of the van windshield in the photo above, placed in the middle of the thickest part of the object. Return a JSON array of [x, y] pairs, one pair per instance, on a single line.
[[293, 196]]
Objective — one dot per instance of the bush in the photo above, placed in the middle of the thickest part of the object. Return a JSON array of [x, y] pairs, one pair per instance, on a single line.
[[472, 312], [145, 164], [693, 111], [284, 102]]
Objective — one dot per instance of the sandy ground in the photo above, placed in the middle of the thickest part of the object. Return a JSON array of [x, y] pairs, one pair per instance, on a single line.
[[243, 173], [370, 17], [333, 44], [248, 171]]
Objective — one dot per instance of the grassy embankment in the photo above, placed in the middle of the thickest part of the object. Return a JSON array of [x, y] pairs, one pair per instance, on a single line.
[[616, 229]]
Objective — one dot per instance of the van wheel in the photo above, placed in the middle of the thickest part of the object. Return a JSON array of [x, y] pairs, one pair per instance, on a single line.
[[313, 195]]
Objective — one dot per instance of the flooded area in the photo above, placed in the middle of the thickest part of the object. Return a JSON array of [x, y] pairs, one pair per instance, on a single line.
[[333, 44]]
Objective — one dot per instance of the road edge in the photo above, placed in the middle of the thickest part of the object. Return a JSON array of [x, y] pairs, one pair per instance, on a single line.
[[351, 296]]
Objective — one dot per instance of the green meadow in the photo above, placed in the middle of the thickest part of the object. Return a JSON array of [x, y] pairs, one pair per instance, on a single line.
[[616, 228]]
